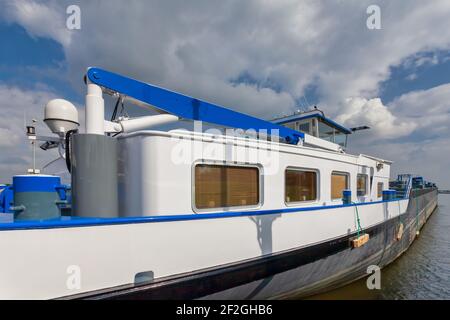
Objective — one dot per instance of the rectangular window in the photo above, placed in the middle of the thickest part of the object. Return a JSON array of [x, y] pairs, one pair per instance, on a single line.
[[304, 127], [290, 125], [340, 139], [339, 183], [380, 189], [326, 132], [361, 185], [300, 185], [218, 186]]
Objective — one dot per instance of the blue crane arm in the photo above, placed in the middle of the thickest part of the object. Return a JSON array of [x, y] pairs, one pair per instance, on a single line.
[[187, 107]]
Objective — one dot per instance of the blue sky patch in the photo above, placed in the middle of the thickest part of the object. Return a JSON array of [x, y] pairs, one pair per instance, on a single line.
[[20, 49], [421, 72], [27, 62]]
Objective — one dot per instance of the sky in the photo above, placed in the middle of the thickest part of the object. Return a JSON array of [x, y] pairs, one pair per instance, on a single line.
[[264, 58]]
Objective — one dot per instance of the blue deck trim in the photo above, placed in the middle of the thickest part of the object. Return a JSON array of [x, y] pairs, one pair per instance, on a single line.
[[71, 222]]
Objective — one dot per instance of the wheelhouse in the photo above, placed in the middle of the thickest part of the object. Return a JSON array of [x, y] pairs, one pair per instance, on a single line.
[[316, 124]]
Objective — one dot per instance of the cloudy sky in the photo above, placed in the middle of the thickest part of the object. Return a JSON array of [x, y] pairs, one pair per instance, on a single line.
[[265, 58]]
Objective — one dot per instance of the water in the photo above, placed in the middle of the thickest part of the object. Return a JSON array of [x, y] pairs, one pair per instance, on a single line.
[[422, 272]]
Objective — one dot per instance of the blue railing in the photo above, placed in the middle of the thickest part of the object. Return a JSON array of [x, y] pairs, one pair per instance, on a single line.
[[402, 186]]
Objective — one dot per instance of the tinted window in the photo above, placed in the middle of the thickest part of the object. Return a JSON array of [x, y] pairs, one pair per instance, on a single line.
[[339, 183], [380, 189], [219, 186], [362, 185], [300, 185]]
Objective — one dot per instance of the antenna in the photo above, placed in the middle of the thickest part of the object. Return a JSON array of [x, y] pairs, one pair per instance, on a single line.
[[360, 128], [301, 104], [307, 100], [307, 103]]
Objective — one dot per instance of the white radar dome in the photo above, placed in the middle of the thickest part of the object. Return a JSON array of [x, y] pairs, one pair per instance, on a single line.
[[60, 116]]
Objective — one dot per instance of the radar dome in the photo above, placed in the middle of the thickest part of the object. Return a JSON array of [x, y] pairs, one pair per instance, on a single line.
[[60, 116]]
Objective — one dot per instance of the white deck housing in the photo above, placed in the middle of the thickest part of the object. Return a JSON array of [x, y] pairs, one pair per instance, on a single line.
[[156, 170]]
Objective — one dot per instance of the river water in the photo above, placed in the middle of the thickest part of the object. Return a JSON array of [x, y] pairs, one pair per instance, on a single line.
[[422, 272]]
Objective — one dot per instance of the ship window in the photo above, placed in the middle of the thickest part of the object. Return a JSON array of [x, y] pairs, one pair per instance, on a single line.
[[326, 132], [290, 125], [218, 186], [304, 127], [339, 183], [300, 185], [340, 139], [380, 189], [361, 185], [330, 133]]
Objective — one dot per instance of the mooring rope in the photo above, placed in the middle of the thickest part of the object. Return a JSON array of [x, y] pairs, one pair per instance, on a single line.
[[359, 229]]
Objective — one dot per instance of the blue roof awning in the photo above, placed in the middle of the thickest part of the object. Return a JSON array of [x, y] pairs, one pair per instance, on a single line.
[[328, 121]]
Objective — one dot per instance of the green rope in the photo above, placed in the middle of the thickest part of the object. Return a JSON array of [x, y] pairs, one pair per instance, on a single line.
[[359, 230]]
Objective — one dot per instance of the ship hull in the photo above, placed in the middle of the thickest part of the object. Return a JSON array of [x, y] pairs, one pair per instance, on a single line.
[[296, 273]]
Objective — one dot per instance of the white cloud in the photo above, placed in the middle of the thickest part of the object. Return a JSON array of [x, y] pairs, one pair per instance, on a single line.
[[426, 150], [421, 59], [19, 107], [39, 19], [429, 109], [411, 77], [360, 111], [198, 47], [424, 103], [418, 115]]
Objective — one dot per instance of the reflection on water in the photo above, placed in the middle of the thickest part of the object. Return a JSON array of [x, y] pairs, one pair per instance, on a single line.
[[422, 272]]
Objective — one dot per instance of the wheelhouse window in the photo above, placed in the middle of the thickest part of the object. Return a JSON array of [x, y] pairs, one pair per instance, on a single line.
[[380, 189], [332, 134], [219, 186], [361, 185], [326, 132], [304, 127], [290, 125], [339, 183], [300, 185]]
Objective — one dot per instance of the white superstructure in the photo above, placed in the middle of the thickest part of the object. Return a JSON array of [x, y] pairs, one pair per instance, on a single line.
[[156, 171]]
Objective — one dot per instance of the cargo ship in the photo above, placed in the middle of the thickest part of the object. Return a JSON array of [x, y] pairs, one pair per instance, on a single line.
[[246, 209]]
